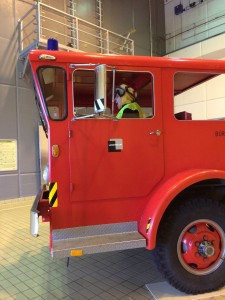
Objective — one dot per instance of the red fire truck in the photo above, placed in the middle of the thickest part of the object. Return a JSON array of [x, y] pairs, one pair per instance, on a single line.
[[156, 182]]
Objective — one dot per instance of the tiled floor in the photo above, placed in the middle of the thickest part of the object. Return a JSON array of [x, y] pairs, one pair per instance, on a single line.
[[28, 272]]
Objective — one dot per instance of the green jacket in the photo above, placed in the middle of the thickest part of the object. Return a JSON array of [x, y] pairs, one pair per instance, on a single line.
[[133, 106]]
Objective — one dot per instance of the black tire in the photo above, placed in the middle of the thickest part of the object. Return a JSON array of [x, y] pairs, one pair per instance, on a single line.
[[190, 246]]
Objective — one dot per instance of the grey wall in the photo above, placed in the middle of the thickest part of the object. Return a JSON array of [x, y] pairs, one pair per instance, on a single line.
[[146, 16], [18, 114], [195, 24]]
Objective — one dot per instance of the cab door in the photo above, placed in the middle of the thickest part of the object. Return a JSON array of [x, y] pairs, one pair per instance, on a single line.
[[116, 162]]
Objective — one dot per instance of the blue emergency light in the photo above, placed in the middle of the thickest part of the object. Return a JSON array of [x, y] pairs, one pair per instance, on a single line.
[[52, 44]]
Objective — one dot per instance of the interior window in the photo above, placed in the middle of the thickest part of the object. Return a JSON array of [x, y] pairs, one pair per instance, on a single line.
[[84, 91], [52, 81], [199, 96]]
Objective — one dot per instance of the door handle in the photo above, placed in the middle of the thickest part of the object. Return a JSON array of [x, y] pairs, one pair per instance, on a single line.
[[157, 132]]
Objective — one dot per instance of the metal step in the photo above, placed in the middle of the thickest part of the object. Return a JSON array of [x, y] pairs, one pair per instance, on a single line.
[[96, 239]]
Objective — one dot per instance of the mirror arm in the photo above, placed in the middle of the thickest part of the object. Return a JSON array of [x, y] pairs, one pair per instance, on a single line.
[[83, 117], [113, 89]]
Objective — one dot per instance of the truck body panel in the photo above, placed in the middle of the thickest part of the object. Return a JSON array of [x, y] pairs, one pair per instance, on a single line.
[[115, 183]]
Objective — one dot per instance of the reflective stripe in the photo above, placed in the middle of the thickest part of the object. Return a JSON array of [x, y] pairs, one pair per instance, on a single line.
[[76, 252], [148, 225], [132, 106], [53, 197], [99, 105]]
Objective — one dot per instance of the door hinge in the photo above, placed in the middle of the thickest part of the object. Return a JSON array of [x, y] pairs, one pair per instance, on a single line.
[[70, 133]]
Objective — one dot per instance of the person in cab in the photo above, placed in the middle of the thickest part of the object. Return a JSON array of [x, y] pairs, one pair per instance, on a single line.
[[127, 103]]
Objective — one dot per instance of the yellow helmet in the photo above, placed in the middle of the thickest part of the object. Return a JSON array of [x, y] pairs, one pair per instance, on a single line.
[[124, 88]]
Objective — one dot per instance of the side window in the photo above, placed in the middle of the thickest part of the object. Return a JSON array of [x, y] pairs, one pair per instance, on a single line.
[[138, 87], [83, 91], [53, 85], [199, 96]]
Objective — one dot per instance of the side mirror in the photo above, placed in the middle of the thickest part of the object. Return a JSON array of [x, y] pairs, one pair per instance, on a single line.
[[100, 89]]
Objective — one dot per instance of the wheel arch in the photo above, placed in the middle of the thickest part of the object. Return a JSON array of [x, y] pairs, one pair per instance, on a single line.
[[166, 193]]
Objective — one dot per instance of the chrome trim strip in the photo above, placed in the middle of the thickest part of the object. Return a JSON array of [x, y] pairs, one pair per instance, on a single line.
[[34, 224]]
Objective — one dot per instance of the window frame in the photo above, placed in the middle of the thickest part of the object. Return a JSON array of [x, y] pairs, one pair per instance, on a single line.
[[65, 98], [151, 96]]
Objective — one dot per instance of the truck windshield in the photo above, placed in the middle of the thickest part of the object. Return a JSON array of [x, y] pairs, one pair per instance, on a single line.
[[53, 85]]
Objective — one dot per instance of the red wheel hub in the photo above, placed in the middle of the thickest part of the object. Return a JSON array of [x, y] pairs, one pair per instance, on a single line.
[[200, 246]]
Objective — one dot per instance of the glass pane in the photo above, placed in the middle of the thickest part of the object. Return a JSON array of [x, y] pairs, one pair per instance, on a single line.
[[53, 85], [138, 88], [84, 89]]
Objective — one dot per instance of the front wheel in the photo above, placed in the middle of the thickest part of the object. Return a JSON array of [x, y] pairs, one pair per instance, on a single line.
[[190, 246]]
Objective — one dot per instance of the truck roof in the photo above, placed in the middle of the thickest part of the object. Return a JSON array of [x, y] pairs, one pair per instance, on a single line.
[[136, 61]]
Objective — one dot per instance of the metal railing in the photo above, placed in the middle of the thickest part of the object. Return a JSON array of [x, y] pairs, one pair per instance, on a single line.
[[73, 34]]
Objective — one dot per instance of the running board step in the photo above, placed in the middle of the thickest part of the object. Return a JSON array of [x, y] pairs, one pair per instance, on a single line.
[[96, 239]]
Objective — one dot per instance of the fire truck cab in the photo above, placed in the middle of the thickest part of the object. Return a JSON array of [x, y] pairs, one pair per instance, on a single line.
[[120, 183]]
